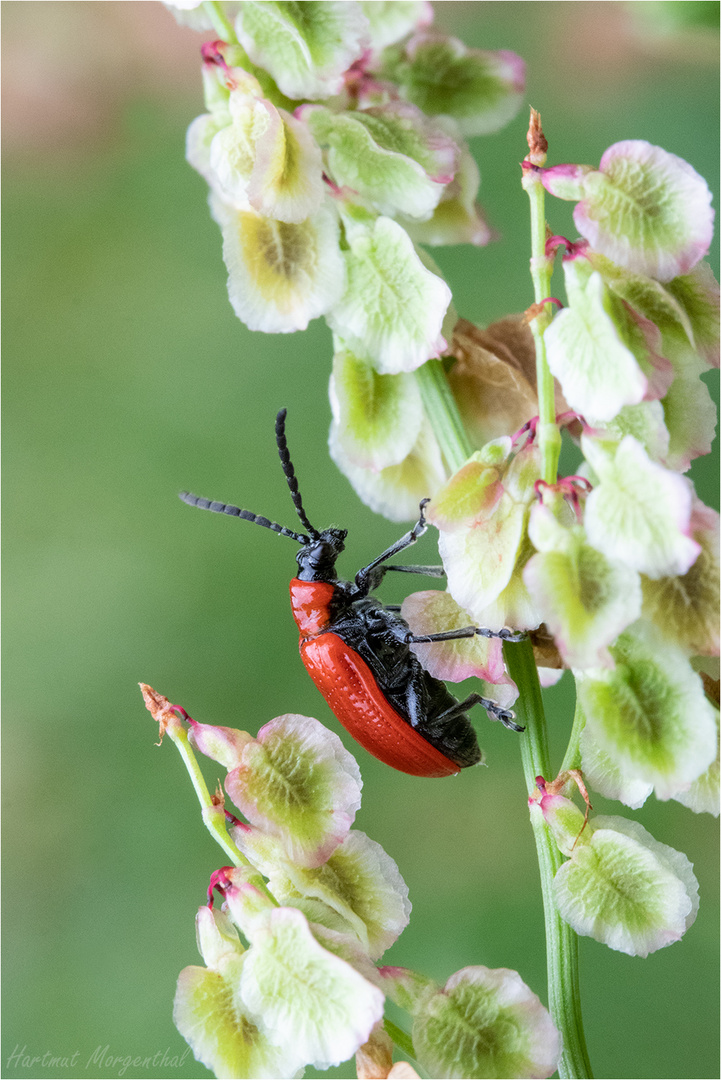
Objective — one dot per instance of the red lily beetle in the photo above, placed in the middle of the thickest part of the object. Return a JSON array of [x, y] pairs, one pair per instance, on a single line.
[[357, 651]]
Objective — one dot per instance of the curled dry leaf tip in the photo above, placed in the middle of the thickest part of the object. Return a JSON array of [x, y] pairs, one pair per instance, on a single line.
[[537, 142], [158, 706]]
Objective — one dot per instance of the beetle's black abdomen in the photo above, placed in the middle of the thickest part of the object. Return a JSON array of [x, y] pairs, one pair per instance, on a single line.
[[377, 635], [455, 735]]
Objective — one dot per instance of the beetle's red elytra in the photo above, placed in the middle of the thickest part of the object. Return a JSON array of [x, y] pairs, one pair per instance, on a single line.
[[350, 688], [357, 651]]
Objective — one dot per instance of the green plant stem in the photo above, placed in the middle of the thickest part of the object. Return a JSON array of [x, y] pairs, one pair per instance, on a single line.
[[221, 23], [561, 942], [402, 1040], [440, 406], [442, 411], [548, 435], [213, 815]]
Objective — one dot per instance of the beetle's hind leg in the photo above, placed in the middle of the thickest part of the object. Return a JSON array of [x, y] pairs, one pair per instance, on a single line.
[[494, 710]]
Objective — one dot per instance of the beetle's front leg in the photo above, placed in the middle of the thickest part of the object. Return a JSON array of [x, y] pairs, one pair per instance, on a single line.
[[371, 575], [427, 571]]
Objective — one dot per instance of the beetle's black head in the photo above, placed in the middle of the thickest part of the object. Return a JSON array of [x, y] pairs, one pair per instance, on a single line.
[[316, 559]]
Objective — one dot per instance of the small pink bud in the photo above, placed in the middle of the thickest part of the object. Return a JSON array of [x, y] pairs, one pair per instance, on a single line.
[[563, 817], [565, 181], [244, 901], [222, 744]]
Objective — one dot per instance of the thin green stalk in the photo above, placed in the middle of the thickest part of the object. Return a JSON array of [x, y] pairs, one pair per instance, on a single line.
[[564, 999], [548, 435], [213, 815], [442, 411], [401, 1038], [221, 23]]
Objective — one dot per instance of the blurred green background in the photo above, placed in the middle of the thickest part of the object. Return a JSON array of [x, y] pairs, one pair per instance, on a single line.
[[127, 378]]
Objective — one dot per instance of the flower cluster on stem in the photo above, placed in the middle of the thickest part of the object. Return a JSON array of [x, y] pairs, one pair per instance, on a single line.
[[334, 144], [334, 147], [308, 907]]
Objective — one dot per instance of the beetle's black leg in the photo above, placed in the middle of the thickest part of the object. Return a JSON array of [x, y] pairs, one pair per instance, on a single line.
[[494, 710], [446, 635], [504, 634], [428, 571], [464, 632], [366, 579]]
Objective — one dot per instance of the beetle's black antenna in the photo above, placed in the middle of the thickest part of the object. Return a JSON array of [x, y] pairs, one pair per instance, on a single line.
[[246, 515], [290, 472]]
